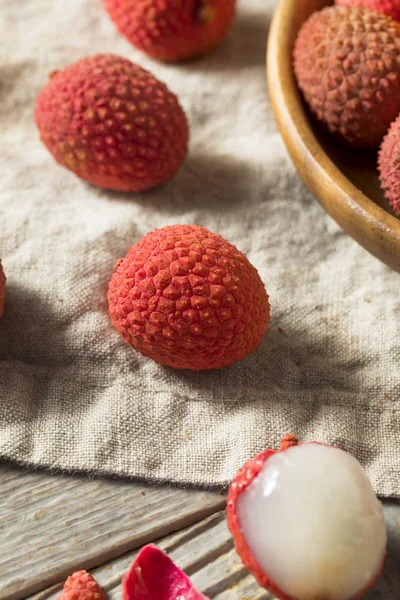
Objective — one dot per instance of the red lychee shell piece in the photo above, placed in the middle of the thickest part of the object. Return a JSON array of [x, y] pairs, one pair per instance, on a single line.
[[346, 64], [172, 30], [387, 7], [243, 479], [153, 576], [389, 165], [82, 586], [112, 123], [187, 298], [2, 289]]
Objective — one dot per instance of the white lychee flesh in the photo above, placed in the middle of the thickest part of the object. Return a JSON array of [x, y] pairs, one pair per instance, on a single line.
[[313, 523]]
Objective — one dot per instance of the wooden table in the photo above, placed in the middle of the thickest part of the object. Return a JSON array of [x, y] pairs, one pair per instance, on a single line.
[[52, 525]]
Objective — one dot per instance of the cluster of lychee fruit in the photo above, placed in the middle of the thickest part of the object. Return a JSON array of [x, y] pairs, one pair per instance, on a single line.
[[113, 123], [182, 296], [347, 65], [304, 520]]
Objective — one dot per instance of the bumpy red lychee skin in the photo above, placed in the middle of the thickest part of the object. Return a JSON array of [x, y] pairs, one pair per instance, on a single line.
[[243, 479], [346, 61], [112, 123], [188, 299], [82, 586], [153, 576], [387, 7], [389, 165], [173, 30], [2, 289]]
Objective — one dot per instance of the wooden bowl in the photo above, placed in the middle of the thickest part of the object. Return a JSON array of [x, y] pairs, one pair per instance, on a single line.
[[344, 180]]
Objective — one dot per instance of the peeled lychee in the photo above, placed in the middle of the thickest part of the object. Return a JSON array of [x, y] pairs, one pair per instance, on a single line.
[[389, 165], [172, 30], [82, 586], [387, 7], [347, 65], [112, 123], [306, 522], [2, 289], [187, 298], [153, 576]]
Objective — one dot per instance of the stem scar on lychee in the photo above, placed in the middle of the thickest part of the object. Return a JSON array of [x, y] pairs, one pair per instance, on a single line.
[[206, 12], [306, 522]]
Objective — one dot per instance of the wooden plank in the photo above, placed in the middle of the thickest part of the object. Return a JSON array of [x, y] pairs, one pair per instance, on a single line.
[[205, 552], [52, 524]]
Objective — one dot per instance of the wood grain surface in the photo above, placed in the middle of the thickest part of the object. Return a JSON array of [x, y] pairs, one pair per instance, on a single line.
[[205, 552], [51, 525]]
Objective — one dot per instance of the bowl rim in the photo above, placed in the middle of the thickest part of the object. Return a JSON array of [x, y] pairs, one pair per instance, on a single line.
[[350, 207]]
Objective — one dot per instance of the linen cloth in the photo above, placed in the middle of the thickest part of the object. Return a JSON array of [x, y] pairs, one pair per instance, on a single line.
[[73, 395]]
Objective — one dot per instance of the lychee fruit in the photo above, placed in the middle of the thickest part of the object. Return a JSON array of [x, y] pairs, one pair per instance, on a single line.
[[346, 61], [306, 522], [112, 123], [187, 298], [172, 30], [153, 576], [82, 586], [2, 289], [387, 7], [389, 165]]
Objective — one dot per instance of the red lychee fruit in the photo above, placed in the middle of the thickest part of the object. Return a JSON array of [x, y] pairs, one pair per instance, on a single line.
[[153, 576], [2, 289], [172, 30], [82, 586], [346, 61], [187, 298], [112, 123], [306, 522], [387, 7], [389, 165]]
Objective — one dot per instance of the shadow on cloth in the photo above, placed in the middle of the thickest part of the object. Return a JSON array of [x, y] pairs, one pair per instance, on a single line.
[[281, 368], [244, 47], [214, 182], [32, 329], [54, 332]]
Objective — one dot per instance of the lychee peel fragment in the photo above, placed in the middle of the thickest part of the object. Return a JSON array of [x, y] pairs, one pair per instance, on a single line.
[[153, 576]]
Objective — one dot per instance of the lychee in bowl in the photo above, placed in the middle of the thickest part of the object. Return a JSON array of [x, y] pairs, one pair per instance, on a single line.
[[344, 180]]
